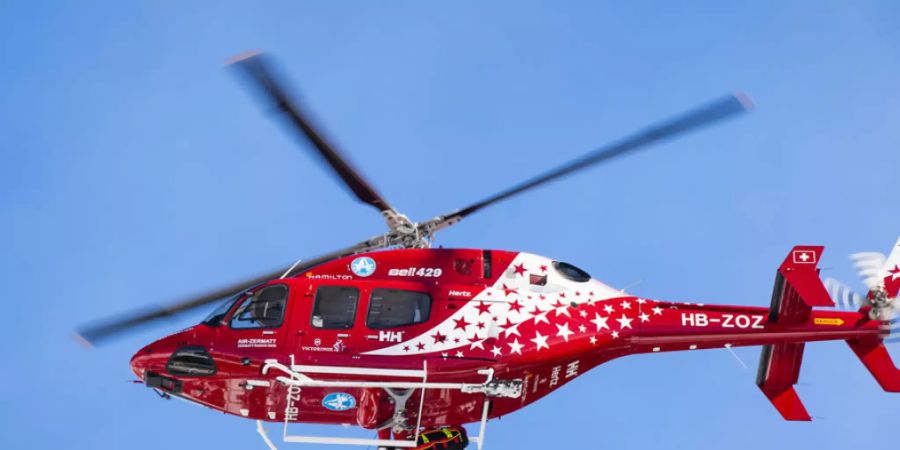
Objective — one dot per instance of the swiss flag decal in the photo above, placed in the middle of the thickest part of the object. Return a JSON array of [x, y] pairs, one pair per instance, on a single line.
[[804, 257]]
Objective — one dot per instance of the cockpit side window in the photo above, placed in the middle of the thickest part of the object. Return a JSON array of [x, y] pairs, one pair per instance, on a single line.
[[335, 307], [265, 309]]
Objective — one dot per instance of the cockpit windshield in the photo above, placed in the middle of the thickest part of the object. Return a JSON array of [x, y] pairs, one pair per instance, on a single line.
[[215, 318]]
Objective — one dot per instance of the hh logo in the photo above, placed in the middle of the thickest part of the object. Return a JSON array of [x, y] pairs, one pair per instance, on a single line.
[[390, 336], [804, 257]]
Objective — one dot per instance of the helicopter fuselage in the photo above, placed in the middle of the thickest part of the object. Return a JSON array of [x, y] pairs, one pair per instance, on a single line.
[[510, 321]]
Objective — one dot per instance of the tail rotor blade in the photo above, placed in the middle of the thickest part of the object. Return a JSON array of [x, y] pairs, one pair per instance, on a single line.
[[845, 299], [893, 325], [869, 267], [843, 296], [894, 329]]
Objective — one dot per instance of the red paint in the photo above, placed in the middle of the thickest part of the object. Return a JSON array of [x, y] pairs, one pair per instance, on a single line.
[[504, 322]]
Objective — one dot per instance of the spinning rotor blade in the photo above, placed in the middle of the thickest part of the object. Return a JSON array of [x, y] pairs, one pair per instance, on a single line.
[[94, 333], [843, 296], [869, 266], [690, 121], [99, 331], [258, 71], [846, 299], [894, 327]]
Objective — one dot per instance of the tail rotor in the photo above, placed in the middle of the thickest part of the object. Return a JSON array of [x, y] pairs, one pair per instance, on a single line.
[[881, 275]]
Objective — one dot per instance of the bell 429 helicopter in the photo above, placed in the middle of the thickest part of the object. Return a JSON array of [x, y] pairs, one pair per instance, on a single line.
[[413, 342]]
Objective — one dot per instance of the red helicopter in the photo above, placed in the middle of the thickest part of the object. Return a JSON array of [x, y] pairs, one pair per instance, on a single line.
[[413, 342]]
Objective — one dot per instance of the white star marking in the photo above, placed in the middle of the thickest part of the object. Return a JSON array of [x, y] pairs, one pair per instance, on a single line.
[[608, 309], [624, 322], [542, 317], [600, 322], [563, 310], [459, 354], [626, 305], [644, 317], [513, 329], [564, 331], [582, 313], [515, 346], [496, 351], [593, 340], [641, 301], [540, 341], [477, 344], [615, 334], [894, 275], [657, 310], [582, 329]]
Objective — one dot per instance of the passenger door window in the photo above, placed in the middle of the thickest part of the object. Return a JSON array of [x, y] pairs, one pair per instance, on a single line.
[[389, 308], [334, 307]]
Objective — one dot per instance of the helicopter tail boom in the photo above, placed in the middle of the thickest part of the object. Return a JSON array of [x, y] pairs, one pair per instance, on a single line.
[[782, 330]]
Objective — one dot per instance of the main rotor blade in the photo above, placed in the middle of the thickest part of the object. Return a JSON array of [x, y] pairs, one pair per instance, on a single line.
[[258, 70], [100, 331], [96, 332], [690, 121]]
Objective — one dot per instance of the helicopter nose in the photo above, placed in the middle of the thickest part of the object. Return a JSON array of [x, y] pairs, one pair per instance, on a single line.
[[153, 357], [141, 360], [170, 354]]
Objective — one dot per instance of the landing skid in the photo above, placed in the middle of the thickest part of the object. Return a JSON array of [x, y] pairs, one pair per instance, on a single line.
[[297, 377]]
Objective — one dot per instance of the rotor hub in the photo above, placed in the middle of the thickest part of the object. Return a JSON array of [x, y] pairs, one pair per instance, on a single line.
[[882, 305]]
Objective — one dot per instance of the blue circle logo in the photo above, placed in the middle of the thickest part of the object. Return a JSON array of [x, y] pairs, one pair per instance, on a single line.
[[339, 401], [363, 266]]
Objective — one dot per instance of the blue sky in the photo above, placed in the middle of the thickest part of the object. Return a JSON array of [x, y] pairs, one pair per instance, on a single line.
[[136, 169]]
